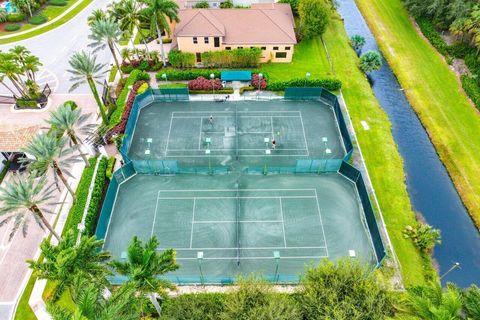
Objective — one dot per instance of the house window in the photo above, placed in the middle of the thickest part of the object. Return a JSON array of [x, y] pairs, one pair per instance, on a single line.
[[216, 42], [195, 40], [275, 48], [287, 48], [205, 39], [228, 48], [239, 47], [280, 54], [252, 47], [263, 48]]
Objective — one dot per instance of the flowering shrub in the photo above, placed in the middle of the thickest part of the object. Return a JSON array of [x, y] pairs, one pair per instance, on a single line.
[[256, 79], [142, 88], [202, 83]]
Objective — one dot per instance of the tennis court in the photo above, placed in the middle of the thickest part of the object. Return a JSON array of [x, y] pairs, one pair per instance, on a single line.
[[239, 224], [241, 132]]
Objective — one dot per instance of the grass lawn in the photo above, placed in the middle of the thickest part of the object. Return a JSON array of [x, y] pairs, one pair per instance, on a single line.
[[309, 56], [49, 11], [383, 160], [434, 92], [173, 85]]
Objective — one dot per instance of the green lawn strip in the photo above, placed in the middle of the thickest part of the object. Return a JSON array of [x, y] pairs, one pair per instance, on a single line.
[[434, 92], [173, 85], [383, 160], [49, 27], [308, 56]]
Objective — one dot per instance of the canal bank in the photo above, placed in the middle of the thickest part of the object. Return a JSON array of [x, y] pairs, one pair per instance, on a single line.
[[431, 191]]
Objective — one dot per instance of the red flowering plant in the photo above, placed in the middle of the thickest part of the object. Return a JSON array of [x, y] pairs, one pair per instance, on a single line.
[[255, 82], [202, 83]]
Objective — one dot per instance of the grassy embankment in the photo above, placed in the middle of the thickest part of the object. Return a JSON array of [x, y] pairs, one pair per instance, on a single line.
[[435, 94]]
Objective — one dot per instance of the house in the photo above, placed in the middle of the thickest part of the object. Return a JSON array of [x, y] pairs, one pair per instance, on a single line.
[[269, 26]]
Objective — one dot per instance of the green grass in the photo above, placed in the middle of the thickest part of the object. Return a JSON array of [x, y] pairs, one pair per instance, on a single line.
[[435, 94], [24, 312], [112, 74], [382, 158], [172, 85], [49, 27], [308, 56]]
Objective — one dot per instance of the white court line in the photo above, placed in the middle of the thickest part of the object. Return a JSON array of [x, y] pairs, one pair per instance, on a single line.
[[168, 136], [252, 116], [304, 136], [193, 222], [240, 221], [254, 258], [241, 111], [271, 126], [200, 135], [244, 248], [155, 214], [283, 223], [260, 149], [321, 223], [228, 190], [242, 155], [218, 198]]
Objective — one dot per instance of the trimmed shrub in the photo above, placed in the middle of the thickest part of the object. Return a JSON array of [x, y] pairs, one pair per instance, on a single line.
[[96, 198], [140, 64], [16, 17], [223, 90], [256, 82], [236, 58], [472, 89], [429, 31], [249, 88], [227, 4], [36, 20], [187, 74], [58, 3], [199, 306], [201, 5], [202, 83], [12, 27], [76, 211], [142, 88], [330, 84], [110, 167], [179, 59]]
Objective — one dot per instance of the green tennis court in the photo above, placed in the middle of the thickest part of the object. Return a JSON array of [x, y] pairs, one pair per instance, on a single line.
[[238, 224]]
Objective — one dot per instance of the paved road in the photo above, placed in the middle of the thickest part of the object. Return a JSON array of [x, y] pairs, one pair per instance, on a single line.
[[55, 47]]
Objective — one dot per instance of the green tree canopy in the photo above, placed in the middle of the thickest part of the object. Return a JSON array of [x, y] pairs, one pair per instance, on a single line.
[[314, 17], [370, 61]]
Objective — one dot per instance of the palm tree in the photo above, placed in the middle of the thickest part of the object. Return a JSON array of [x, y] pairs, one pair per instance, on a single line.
[[97, 14], [71, 123], [433, 303], [105, 32], [370, 61], [25, 197], [67, 260], [3, 15], [157, 12], [144, 265], [471, 302], [49, 152], [86, 69], [90, 303]]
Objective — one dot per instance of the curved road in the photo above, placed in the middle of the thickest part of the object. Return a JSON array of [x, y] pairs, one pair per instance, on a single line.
[[55, 47]]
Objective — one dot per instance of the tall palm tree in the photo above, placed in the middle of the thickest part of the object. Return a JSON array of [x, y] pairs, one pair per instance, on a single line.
[[25, 197], [158, 12], [49, 152], [434, 303], [97, 14], [86, 69], [105, 32], [471, 302], [71, 123], [90, 303], [143, 266], [67, 260]]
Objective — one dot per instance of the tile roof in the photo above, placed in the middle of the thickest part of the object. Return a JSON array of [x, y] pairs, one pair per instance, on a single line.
[[261, 24], [14, 139]]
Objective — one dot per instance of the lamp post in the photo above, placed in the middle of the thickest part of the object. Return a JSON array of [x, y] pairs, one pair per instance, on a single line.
[[260, 77], [307, 75], [212, 76], [199, 260], [276, 256], [454, 266], [164, 76]]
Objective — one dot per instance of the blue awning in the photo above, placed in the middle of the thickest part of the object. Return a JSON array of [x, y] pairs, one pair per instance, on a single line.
[[236, 75]]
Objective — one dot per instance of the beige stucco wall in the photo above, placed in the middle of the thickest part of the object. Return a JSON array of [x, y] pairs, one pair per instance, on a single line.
[[186, 44]]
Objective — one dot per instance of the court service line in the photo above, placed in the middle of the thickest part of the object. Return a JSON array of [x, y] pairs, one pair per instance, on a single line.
[[226, 190], [321, 223], [200, 135], [155, 214], [193, 220], [240, 111], [243, 248], [242, 155], [251, 149], [283, 223], [253, 197], [256, 258], [304, 135], [235, 221], [230, 116], [168, 136]]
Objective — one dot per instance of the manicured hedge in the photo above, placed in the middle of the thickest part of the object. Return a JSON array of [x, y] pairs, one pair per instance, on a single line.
[[330, 84], [223, 90], [16, 17], [116, 116], [236, 58], [58, 3], [472, 89], [110, 167], [202, 83], [96, 198], [179, 59], [81, 194], [12, 27], [249, 88], [187, 74], [36, 20]]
